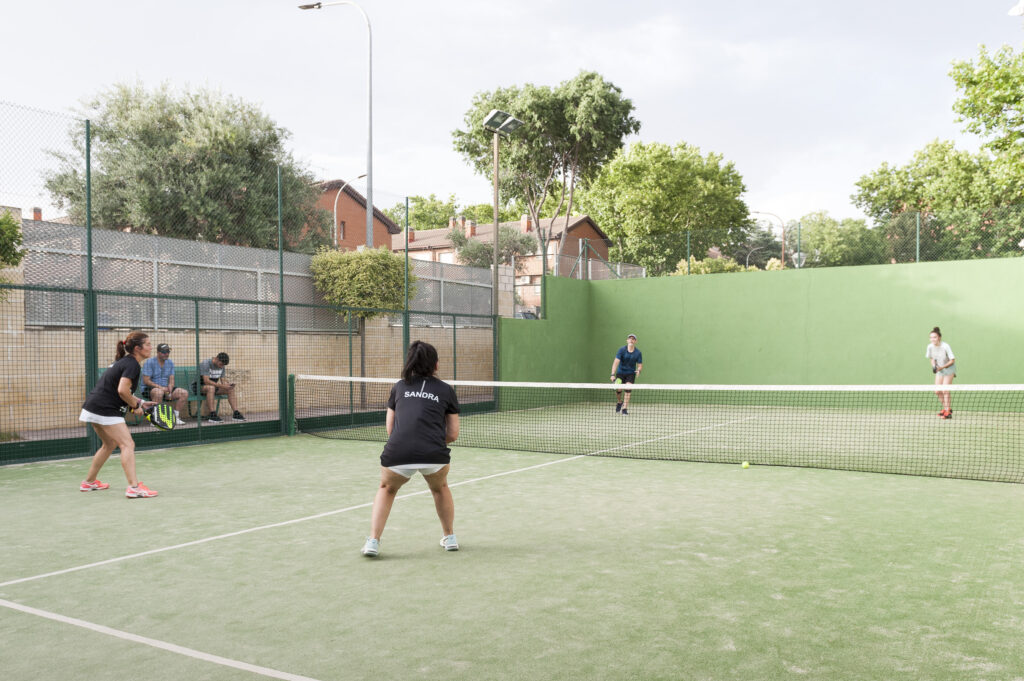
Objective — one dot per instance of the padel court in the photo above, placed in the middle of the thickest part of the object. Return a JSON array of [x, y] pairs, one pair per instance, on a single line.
[[247, 566]]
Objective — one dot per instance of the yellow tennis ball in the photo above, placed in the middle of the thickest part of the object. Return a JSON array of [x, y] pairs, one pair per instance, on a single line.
[[746, 464]]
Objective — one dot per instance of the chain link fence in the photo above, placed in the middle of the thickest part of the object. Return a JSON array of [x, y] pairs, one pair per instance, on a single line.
[[962, 234], [528, 286]]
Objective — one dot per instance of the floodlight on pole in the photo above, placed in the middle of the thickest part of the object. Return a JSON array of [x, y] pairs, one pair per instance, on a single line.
[[336, 197], [500, 123], [369, 111], [781, 222]]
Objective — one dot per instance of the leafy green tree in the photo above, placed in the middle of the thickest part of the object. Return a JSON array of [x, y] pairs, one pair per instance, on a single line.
[[371, 278], [512, 246], [649, 197], [429, 212], [569, 132], [199, 165], [10, 246], [947, 203], [711, 266], [991, 99], [938, 177], [483, 213], [425, 212]]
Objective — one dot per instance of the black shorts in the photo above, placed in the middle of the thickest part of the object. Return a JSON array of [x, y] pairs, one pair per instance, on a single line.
[[626, 378], [146, 392]]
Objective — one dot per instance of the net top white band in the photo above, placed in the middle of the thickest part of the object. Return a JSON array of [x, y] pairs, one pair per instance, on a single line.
[[964, 387]]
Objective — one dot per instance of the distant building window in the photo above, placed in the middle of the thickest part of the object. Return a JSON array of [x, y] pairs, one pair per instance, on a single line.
[[420, 255], [448, 257], [341, 231], [552, 247]]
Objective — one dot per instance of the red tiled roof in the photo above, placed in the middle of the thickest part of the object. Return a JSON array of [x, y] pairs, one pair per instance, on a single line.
[[438, 238]]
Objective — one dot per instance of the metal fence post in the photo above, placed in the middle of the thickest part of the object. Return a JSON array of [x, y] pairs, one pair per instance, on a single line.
[[405, 312], [282, 320], [917, 254], [455, 350], [92, 356], [687, 251]]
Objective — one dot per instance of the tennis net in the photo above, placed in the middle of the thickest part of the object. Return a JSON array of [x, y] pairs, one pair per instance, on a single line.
[[877, 428]]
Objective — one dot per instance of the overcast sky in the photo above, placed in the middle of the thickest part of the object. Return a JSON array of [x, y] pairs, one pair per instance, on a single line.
[[804, 96]]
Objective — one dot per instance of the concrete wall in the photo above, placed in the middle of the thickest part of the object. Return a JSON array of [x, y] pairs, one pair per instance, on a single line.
[[856, 325], [46, 366]]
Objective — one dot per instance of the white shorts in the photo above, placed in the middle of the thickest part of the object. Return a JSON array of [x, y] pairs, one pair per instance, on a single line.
[[89, 417], [409, 470]]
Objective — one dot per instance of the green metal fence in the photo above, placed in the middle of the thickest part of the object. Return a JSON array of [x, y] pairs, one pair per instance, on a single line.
[[49, 369]]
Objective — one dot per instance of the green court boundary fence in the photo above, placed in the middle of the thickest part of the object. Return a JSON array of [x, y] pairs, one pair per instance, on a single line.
[[48, 370]]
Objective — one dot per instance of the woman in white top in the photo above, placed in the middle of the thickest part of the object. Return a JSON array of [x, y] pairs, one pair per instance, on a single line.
[[944, 368]]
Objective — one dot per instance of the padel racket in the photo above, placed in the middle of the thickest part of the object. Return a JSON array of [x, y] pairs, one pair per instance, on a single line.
[[160, 415], [618, 381], [935, 368]]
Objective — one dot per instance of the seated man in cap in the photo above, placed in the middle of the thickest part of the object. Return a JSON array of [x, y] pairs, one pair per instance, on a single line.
[[158, 381]]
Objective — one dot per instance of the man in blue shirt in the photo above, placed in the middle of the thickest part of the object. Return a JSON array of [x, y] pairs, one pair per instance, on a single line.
[[158, 381], [629, 361]]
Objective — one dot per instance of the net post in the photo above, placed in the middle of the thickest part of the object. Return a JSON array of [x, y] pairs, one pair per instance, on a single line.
[[291, 404], [351, 392], [199, 381], [455, 351]]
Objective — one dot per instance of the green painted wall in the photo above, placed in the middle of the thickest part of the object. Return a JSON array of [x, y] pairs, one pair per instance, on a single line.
[[833, 325], [553, 349]]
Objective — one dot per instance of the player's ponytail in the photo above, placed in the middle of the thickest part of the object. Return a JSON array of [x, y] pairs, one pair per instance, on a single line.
[[135, 339], [420, 361], [936, 331]]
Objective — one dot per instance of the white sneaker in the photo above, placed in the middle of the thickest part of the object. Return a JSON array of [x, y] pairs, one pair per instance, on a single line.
[[177, 419], [372, 547], [449, 543]]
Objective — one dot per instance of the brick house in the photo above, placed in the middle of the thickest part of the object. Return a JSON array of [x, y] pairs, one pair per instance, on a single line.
[[350, 232], [564, 244]]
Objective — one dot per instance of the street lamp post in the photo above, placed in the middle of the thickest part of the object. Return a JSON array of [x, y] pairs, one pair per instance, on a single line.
[[369, 111], [500, 123], [752, 251], [781, 222], [336, 197]]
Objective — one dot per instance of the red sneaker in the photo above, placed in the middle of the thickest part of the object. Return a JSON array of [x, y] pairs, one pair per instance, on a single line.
[[87, 486], [947, 414], [140, 491]]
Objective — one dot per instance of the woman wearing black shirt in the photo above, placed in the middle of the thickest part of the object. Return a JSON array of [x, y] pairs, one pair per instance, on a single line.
[[422, 420], [105, 407]]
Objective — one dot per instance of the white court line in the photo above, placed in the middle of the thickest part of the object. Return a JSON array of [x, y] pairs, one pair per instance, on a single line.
[[350, 508], [265, 527], [162, 645], [245, 666]]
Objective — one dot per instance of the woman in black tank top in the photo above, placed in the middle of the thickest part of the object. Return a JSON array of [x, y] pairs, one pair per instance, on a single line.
[[105, 407]]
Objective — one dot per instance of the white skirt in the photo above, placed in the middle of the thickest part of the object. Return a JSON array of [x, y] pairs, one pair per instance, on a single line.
[[411, 469], [89, 417]]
